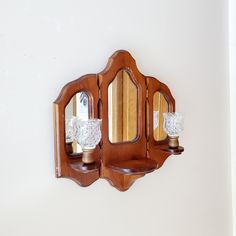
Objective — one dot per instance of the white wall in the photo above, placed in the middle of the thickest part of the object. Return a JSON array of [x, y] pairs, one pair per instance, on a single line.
[[45, 44], [232, 44]]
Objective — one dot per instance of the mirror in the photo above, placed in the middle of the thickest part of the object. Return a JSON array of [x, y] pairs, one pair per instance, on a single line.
[[77, 107], [160, 106], [122, 108]]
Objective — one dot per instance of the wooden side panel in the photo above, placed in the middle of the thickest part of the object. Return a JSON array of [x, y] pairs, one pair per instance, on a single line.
[[63, 160], [156, 148]]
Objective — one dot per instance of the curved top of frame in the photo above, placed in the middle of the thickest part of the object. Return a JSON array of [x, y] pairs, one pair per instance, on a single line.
[[157, 86], [117, 54], [127, 61], [121, 59], [73, 87]]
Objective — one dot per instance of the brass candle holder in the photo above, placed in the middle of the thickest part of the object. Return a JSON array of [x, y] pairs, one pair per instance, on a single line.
[[87, 157], [173, 142]]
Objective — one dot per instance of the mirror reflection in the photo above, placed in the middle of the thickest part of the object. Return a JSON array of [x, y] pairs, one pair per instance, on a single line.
[[122, 108], [160, 106], [77, 107]]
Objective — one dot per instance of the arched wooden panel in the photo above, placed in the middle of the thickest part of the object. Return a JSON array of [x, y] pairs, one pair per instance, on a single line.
[[118, 152], [157, 150]]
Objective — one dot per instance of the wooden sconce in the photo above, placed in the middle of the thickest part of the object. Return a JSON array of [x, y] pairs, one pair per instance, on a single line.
[[131, 108]]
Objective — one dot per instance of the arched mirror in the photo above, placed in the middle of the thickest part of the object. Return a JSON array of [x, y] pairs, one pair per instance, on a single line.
[[77, 107], [160, 106], [122, 108]]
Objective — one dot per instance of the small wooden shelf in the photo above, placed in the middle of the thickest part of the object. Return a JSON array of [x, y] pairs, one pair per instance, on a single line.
[[173, 151], [132, 167], [85, 168]]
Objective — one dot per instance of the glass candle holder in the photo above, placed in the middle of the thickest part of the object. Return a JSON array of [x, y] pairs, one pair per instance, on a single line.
[[173, 126], [88, 136], [70, 127], [70, 130]]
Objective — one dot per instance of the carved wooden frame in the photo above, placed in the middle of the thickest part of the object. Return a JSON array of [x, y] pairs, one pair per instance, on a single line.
[[120, 163]]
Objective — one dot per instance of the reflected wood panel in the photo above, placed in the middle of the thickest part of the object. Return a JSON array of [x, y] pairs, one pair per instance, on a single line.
[[122, 95], [160, 106]]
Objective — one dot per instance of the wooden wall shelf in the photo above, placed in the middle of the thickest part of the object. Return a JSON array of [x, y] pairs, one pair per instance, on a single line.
[[134, 167], [85, 168], [120, 162], [172, 151]]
